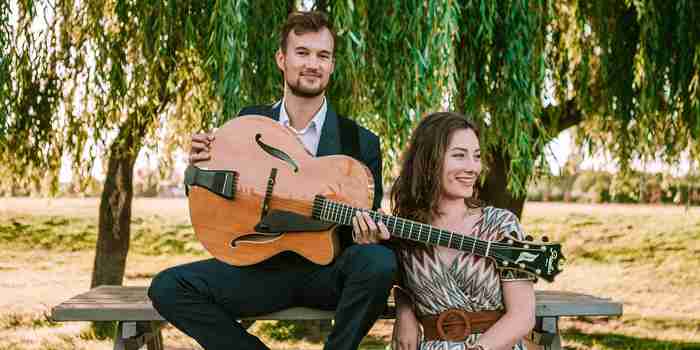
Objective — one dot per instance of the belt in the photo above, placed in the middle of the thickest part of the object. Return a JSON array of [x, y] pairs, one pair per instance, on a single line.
[[457, 325]]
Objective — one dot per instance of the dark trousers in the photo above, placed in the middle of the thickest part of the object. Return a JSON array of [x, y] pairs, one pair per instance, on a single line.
[[203, 299]]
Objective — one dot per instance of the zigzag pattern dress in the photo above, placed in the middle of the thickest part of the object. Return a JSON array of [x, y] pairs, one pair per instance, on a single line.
[[470, 283]]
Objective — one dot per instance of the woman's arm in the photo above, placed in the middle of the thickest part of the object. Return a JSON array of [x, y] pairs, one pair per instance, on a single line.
[[519, 319], [406, 334]]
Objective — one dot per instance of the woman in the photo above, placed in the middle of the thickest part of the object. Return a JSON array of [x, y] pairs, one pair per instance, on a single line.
[[442, 288]]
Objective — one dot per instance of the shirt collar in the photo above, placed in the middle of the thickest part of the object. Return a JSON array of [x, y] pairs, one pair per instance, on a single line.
[[316, 122]]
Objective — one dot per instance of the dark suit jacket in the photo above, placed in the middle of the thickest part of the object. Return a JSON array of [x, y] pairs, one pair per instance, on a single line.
[[329, 144]]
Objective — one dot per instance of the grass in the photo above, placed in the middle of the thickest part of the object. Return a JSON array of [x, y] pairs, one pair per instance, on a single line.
[[150, 235], [644, 256], [579, 340]]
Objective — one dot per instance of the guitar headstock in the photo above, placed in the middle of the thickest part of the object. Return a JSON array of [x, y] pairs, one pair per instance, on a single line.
[[543, 260]]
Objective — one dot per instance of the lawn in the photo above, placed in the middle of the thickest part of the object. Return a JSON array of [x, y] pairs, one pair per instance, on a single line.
[[645, 256]]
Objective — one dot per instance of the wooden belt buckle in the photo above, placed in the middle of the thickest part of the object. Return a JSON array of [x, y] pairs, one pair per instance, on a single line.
[[454, 325]]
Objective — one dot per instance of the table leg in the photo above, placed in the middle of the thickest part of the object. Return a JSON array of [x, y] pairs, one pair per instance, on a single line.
[[134, 335], [550, 327], [156, 340]]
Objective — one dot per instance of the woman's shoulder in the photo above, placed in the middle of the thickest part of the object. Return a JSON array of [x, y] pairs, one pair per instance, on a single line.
[[492, 212]]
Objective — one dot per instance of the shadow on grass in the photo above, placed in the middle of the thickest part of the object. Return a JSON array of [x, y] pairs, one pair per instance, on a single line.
[[609, 341]]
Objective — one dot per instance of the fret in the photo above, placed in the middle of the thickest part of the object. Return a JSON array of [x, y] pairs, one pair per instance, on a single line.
[[338, 213], [403, 224], [449, 242], [410, 231], [335, 213], [488, 247], [473, 245]]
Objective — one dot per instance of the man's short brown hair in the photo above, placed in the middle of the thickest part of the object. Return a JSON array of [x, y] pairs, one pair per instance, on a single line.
[[302, 22]]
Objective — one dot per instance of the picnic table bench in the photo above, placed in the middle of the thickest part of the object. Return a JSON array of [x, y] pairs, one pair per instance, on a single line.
[[140, 324]]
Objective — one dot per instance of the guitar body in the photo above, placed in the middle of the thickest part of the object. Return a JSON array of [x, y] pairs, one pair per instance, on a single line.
[[226, 227]]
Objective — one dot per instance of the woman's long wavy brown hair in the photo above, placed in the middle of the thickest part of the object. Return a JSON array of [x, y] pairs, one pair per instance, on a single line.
[[416, 192]]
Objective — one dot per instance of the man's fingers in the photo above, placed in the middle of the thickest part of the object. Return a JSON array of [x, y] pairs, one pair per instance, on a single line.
[[203, 137], [357, 234], [362, 223], [198, 157], [200, 146], [371, 225], [383, 231]]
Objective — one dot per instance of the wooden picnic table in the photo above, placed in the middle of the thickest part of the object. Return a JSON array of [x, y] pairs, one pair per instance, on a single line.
[[140, 324]]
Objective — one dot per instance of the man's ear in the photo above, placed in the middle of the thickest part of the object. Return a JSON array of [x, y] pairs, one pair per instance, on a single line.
[[279, 58]]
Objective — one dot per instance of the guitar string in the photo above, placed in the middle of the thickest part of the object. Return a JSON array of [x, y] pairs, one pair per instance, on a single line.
[[338, 210], [342, 212]]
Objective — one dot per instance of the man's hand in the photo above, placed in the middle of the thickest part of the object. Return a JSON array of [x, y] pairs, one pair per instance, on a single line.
[[406, 333], [366, 231], [200, 147]]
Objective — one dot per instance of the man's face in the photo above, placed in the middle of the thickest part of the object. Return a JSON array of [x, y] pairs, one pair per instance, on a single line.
[[308, 63]]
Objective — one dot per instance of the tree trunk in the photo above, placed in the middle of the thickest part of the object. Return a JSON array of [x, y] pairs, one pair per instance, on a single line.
[[115, 215], [495, 190]]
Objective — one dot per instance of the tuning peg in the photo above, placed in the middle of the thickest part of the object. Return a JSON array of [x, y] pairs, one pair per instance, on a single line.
[[545, 239], [529, 238]]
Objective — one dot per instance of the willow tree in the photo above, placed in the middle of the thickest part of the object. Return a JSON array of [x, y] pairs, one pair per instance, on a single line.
[[121, 76], [625, 73], [108, 79]]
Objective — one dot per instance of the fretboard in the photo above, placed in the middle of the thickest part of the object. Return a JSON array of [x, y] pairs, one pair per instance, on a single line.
[[336, 212]]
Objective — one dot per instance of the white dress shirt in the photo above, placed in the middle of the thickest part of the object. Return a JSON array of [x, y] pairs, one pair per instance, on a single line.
[[311, 134]]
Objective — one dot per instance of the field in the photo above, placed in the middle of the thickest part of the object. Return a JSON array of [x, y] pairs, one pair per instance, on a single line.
[[644, 256]]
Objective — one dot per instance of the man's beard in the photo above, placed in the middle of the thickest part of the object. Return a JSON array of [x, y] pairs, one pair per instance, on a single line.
[[300, 91]]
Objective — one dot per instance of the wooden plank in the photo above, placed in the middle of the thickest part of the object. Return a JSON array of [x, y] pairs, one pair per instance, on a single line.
[[558, 303], [116, 303]]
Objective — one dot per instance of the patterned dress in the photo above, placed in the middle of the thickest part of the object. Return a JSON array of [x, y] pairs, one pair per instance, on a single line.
[[469, 283]]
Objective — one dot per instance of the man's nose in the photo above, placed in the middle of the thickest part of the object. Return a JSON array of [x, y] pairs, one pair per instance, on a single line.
[[313, 62]]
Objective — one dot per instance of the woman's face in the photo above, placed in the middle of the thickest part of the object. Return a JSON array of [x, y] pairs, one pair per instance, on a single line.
[[462, 165]]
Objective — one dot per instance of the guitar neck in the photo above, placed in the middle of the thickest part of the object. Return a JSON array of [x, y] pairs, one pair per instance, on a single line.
[[336, 212]]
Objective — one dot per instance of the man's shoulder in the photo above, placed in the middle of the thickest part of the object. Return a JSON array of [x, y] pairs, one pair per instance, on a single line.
[[266, 110], [363, 132]]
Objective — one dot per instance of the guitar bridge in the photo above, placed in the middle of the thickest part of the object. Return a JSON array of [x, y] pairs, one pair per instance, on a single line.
[[268, 197]]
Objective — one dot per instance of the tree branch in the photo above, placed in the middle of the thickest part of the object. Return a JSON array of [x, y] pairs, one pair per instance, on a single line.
[[562, 117]]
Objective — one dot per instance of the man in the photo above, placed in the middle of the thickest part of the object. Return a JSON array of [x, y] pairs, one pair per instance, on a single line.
[[204, 299]]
